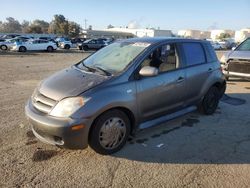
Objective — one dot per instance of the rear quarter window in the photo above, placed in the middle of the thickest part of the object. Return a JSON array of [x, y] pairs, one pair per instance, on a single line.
[[194, 53], [210, 53]]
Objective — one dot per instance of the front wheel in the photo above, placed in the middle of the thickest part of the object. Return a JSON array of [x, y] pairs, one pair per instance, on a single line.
[[210, 101], [4, 47], [50, 49], [110, 132]]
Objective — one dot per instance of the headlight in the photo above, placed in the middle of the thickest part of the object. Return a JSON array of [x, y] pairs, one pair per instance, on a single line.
[[68, 106]]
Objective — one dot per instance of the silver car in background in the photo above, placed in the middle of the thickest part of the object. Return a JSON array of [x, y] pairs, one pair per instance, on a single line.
[[236, 63], [127, 86]]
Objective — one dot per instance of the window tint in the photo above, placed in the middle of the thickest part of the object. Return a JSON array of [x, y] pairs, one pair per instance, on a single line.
[[245, 46], [194, 53], [210, 53], [164, 58]]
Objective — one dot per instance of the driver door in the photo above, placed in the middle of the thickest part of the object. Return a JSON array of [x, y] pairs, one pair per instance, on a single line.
[[165, 92]]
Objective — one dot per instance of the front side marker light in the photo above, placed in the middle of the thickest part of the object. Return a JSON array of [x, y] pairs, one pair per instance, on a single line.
[[77, 127]]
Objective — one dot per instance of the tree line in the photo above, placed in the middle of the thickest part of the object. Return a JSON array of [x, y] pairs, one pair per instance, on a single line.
[[59, 25]]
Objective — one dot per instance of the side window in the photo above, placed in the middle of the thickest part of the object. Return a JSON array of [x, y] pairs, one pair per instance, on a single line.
[[245, 46], [194, 53], [92, 42], [164, 58]]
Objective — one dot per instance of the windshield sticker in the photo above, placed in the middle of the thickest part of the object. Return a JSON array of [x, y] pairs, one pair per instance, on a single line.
[[141, 44]]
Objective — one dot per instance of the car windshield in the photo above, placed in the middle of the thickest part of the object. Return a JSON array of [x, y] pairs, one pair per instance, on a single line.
[[245, 46], [115, 57]]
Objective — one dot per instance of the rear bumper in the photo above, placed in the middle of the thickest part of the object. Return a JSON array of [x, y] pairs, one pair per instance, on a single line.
[[58, 131]]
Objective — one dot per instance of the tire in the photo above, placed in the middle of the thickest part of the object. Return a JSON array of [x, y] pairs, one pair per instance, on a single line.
[[107, 137], [80, 47], [227, 78], [85, 48], [22, 49], [50, 49], [210, 101], [67, 47], [3, 47]]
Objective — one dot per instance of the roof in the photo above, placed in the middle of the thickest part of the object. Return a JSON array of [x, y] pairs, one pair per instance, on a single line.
[[154, 40]]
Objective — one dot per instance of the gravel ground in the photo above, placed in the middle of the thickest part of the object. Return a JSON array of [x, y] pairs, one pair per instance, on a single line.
[[191, 151]]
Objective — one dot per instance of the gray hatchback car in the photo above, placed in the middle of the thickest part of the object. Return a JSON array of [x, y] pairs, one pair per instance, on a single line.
[[129, 85]]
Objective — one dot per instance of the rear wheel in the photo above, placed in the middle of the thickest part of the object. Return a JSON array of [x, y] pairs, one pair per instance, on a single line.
[[85, 48], [210, 101], [67, 47], [22, 49], [110, 132], [50, 49], [3, 47]]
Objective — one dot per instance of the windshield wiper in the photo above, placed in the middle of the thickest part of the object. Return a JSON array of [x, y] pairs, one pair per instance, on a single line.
[[89, 68], [103, 70]]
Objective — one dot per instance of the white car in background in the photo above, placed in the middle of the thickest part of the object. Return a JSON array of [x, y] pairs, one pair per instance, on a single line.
[[216, 45], [34, 45], [63, 43], [8, 43]]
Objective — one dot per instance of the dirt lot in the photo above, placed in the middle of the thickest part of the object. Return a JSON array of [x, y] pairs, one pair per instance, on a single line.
[[191, 151]]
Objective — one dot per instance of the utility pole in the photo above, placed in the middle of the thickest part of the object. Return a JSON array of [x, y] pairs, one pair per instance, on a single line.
[[85, 23]]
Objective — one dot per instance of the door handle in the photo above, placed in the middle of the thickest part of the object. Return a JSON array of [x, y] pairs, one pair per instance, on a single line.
[[210, 70], [180, 79]]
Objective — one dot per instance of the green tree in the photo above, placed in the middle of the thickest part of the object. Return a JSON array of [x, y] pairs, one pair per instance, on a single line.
[[25, 26], [73, 29], [42, 24], [59, 25], [223, 36], [35, 29], [11, 26]]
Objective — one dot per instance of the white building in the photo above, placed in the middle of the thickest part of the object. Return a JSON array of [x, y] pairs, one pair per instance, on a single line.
[[190, 33], [242, 35], [205, 34], [144, 32], [216, 33]]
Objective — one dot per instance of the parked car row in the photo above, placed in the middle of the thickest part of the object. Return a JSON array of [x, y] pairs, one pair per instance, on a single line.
[[224, 44], [22, 44]]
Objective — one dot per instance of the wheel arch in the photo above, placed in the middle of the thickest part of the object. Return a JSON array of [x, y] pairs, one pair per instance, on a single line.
[[128, 112]]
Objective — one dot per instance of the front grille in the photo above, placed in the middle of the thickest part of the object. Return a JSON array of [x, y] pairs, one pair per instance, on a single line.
[[42, 103], [239, 65]]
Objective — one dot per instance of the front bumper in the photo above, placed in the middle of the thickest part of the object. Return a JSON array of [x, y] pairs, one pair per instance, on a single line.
[[58, 131], [236, 74]]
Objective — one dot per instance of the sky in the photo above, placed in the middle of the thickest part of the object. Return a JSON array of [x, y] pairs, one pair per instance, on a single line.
[[163, 14]]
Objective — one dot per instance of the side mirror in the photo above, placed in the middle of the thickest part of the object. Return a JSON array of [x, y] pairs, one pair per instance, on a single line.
[[233, 48], [148, 71]]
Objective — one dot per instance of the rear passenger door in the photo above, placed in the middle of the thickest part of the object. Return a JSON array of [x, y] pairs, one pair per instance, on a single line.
[[197, 69], [42, 44]]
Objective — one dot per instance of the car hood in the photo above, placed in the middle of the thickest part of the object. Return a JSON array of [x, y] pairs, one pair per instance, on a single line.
[[69, 82], [238, 55]]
